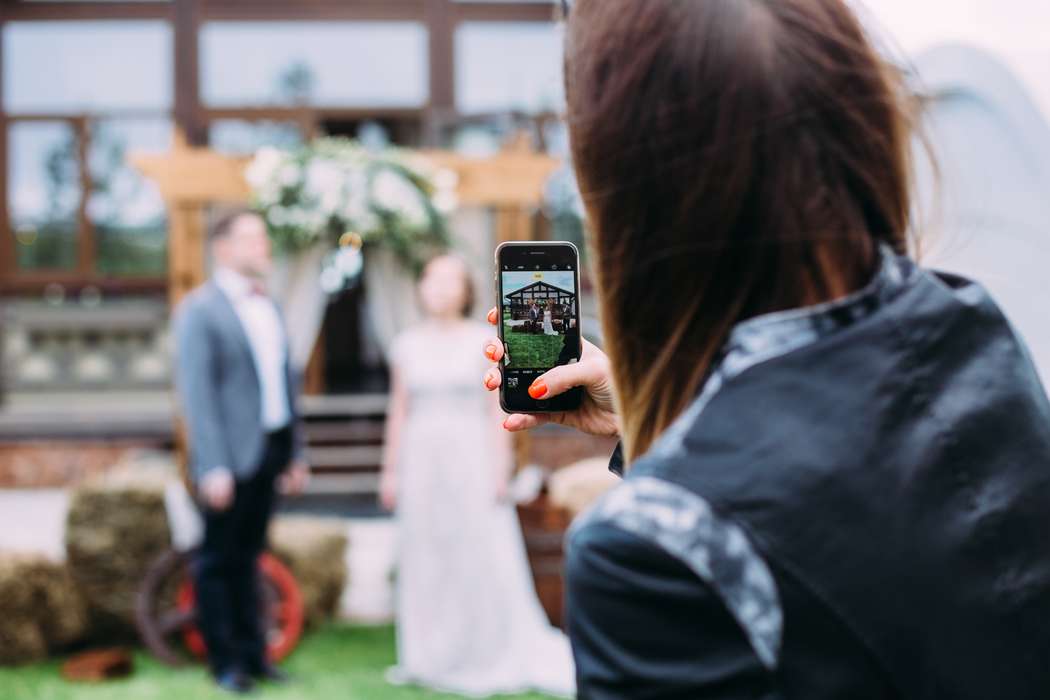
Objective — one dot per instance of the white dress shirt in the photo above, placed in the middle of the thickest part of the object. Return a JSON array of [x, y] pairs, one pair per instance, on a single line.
[[266, 336]]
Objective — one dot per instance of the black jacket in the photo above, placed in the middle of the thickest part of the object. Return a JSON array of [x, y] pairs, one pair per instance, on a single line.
[[857, 506]]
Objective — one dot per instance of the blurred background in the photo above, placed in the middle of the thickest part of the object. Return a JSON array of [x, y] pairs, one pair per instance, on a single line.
[[93, 252]]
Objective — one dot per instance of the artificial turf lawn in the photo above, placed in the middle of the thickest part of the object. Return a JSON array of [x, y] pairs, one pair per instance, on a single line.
[[532, 351], [339, 662]]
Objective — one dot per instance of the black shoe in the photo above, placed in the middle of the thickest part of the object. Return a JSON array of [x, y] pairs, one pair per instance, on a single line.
[[272, 674], [235, 682]]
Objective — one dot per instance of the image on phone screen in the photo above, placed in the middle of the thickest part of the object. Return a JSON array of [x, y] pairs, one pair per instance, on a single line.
[[539, 304]]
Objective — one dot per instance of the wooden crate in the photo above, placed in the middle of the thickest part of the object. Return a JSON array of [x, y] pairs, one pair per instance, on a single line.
[[544, 526]]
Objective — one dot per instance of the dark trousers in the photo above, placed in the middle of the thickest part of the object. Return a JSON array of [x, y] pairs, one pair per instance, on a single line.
[[227, 580]]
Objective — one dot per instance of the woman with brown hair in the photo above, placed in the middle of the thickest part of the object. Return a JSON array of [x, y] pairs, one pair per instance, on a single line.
[[838, 463]]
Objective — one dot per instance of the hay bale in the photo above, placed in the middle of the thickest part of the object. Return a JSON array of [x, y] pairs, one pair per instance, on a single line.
[[62, 612], [315, 551], [21, 640], [40, 609], [575, 487], [117, 525]]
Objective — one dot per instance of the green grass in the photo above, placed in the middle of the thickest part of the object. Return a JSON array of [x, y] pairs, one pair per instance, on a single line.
[[340, 662], [532, 351]]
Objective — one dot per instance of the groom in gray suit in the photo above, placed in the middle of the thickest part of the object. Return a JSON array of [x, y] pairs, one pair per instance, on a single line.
[[237, 394]]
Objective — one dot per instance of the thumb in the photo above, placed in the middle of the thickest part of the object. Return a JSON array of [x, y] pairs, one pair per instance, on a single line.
[[560, 379]]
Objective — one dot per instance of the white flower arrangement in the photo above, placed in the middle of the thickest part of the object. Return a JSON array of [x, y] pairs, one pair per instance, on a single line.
[[325, 189]]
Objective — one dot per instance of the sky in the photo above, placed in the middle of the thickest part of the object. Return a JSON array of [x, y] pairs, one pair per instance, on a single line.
[[513, 281], [1016, 31]]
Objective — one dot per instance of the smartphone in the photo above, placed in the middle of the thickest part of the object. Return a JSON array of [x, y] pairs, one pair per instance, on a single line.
[[538, 290]]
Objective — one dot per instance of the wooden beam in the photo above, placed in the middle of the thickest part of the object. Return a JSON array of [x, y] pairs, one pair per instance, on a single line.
[[506, 12], [442, 28], [514, 223], [195, 176], [186, 254], [362, 10], [106, 114], [8, 263], [46, 11], [513, 178], [87, 246], [7, 235], [301, 114], [508, 180], [187, 72], [34, 282]]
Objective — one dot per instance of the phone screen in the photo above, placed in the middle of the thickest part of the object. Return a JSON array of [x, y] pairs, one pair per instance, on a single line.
[[540, 327]]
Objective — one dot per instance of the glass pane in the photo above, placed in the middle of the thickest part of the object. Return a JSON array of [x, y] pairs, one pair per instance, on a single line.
[[43, 193], [83, 66], [505, 66], [241, 137], [125, 208], [332, 64]]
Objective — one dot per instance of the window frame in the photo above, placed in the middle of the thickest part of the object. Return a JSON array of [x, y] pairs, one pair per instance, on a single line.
[[192, 118]]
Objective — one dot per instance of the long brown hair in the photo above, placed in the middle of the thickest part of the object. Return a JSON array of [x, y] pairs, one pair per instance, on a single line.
[[736, 157]]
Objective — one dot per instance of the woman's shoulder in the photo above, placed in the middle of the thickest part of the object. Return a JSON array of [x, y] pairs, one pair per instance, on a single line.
[[649, 529], [664, 598]]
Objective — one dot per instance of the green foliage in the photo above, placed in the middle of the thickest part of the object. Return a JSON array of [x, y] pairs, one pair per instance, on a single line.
[[338, 662]]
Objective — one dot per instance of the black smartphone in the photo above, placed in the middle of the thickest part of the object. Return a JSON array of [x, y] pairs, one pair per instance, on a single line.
[[538, 288]]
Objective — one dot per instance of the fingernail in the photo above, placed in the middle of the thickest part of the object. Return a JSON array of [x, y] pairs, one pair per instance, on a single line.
[[490, 352], [492, 316], [490, 382], [538, 389]]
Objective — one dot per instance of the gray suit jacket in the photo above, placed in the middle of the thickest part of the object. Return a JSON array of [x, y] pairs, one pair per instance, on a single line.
[[218, 387]]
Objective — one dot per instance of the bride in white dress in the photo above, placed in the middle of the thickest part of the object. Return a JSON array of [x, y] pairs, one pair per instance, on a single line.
[[548, 327], [468, 618]]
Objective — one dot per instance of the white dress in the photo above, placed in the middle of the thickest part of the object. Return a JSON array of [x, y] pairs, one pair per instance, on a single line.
[[548, 327], [468, 618]]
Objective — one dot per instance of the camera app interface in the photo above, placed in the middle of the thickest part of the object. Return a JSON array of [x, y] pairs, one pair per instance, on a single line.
[[540, 321]]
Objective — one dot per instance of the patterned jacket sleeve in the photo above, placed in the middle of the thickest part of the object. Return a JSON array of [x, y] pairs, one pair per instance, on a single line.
[[644, 625]]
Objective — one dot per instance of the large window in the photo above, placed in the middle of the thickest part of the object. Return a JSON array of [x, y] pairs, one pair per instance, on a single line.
[[509, 66], [78, 67], [84, 84], [43, 176], [125, 210], [78, 96], [323, 64]]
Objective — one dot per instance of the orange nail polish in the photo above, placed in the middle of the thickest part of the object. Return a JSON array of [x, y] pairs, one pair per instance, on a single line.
[[490, 383], [492, 316], [538, 389], [490, 352]]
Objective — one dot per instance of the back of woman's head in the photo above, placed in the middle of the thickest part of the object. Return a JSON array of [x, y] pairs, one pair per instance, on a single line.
[[736, 157]]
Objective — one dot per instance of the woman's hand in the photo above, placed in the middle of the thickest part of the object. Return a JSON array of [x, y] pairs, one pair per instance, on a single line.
[[596, 415]]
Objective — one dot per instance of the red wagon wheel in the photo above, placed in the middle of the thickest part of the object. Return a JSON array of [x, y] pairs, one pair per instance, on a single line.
[[166, 615], [282, 610]]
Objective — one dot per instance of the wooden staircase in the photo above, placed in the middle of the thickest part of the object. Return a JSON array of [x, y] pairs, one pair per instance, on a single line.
[[344, 443]]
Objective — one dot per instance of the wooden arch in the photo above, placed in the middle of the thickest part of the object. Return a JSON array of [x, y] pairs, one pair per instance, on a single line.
[[192, 179]]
